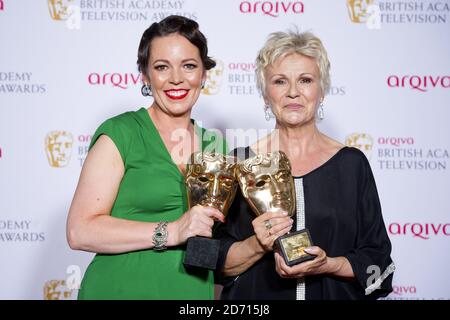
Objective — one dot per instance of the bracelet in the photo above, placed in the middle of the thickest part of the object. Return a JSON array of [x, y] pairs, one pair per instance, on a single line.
[[160, 236]]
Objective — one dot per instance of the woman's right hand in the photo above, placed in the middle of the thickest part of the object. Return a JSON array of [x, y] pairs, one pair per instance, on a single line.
[[197, 221], [279, 222]]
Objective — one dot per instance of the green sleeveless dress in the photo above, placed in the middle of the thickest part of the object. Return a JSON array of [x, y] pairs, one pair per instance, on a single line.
[[152, 189]]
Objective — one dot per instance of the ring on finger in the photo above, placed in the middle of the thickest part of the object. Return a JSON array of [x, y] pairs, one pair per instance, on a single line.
[[268, 225]]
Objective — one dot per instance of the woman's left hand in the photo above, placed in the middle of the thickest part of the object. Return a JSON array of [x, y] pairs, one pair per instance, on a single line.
[[311, 267]]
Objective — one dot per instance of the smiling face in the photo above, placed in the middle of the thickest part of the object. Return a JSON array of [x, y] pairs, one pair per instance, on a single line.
[[210, 180], [175, 73], [267, 184], [293, 89]]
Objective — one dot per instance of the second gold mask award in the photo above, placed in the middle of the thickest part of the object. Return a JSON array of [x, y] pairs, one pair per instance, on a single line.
[[210, 181], [267, 185]]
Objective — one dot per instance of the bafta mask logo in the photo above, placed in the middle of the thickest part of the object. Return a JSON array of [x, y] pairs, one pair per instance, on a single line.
[[358, 10], [214, 79], [58, 145], [267, 184], [56, 290], [210, 180], [59, 9], [362, 141]]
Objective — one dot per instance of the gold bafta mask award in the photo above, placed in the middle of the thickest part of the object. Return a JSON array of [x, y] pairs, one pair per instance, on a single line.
[[268, 186], [210, 181]]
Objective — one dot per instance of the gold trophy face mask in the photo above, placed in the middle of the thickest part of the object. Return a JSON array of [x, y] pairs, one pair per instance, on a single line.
[[211, 180], [267, 184]]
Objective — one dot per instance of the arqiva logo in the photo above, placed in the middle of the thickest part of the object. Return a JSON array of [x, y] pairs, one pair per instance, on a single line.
[[1, 5], [420, 83], [120, 80], [272, 8], [420, 230], [401, 290], [395, 141]]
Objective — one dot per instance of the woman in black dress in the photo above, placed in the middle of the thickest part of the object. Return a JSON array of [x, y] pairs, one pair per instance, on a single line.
[[337, 199]]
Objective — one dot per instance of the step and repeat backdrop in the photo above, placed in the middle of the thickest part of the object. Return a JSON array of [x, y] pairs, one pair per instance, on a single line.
[[67, 65]]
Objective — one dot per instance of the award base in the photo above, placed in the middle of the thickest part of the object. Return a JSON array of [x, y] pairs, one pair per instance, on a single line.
[[202, 252], [292, 245]]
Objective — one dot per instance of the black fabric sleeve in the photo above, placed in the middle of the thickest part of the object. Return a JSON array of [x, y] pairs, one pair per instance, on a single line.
[[226, 233], [370, 259], [237, 226]]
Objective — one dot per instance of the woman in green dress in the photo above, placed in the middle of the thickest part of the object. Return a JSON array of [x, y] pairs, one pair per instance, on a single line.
[[130, 205]]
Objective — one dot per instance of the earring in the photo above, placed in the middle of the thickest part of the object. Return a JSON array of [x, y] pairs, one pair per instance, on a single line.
[[320, 113], [203, 85], [267, 112], [146, 90]]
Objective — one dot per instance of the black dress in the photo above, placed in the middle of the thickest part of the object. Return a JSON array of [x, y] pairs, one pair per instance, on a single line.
[[343, 214]]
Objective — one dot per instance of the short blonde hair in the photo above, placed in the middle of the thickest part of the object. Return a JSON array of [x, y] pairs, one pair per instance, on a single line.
[[281, 44]]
